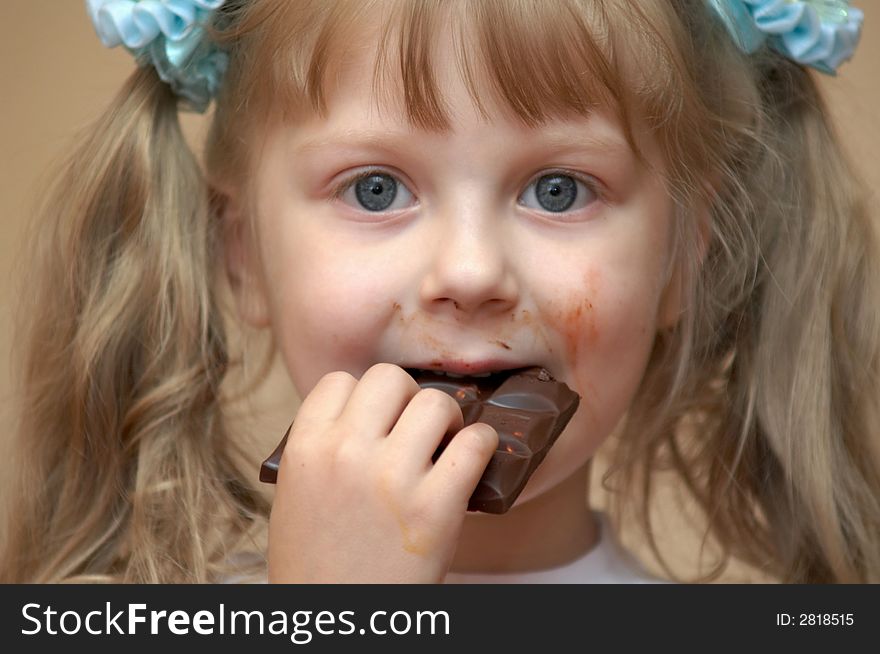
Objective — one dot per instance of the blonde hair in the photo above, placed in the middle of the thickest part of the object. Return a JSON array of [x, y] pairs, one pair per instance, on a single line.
[[128, 467]]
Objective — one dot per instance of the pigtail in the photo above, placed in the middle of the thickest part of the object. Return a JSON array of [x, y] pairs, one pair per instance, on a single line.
[[126, 472], [790, 471], [764, 400], [817, 361]]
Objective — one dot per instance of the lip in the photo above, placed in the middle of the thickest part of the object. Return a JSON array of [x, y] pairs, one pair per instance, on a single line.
[[473, 367]]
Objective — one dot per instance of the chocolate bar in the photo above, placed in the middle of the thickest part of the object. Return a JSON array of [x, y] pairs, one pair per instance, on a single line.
[[528, 409]]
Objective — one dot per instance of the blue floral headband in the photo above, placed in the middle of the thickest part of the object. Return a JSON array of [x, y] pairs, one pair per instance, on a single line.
[[169, 35], [818, 33]]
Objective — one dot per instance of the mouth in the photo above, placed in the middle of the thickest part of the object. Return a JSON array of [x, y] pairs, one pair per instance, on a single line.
[[465, 388], [467, 369], [471, 389]]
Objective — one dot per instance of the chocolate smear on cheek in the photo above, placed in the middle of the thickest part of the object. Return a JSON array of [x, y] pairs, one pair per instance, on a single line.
[[575, 321]]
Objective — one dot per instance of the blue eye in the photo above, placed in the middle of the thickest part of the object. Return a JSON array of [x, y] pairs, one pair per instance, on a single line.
[[374, 191], [558, 192]]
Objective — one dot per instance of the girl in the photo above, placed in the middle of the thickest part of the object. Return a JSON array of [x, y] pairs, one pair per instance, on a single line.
[[646, 198]]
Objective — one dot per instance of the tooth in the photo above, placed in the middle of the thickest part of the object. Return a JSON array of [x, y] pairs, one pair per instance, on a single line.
[[483, 374], [454, 375]]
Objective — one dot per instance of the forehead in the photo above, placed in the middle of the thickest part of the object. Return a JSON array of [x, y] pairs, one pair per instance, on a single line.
[[428, 67], [375, 95], [367, 91], [525, 62]]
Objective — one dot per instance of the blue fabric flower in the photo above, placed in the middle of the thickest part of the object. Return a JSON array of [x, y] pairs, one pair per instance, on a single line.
[[818, 33], [167, 34]]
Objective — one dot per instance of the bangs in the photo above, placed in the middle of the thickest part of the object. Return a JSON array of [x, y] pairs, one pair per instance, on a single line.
[[538, 59]]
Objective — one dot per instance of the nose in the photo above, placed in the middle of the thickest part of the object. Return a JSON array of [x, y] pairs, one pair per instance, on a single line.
[[470, 270]]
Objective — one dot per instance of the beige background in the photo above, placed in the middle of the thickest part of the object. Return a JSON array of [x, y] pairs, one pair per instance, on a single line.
[[56, 77]]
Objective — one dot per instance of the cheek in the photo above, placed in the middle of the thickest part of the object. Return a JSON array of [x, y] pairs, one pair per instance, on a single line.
[[605, 333], [328, 307], [605, 328]]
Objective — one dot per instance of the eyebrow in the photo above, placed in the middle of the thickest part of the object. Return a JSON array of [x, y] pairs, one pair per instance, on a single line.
[[391, 140], [352, 139]]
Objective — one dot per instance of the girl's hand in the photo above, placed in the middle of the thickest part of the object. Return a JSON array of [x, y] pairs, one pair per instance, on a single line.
[[358, 499]]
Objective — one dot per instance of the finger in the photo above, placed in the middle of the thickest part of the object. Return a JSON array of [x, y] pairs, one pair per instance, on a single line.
[[429, 416], [320, 408], [327, 400], [454, 477], [378, 400]]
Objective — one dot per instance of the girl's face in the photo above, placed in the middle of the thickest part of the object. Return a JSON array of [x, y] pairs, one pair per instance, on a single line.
[[493, 246]]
